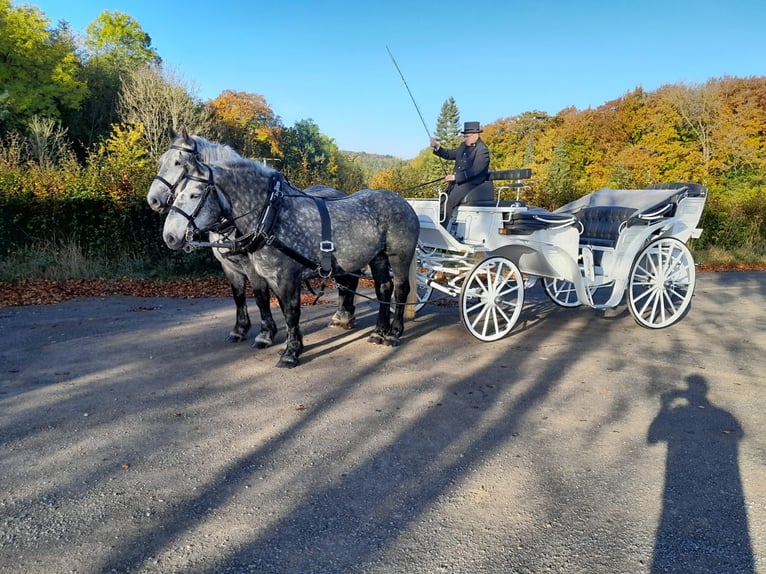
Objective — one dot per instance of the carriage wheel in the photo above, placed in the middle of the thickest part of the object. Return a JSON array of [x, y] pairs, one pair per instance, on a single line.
[[491, 298], [561, 292], [424, 289], [661, 283]]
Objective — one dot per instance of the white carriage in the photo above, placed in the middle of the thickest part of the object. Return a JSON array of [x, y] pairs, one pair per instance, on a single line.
[[607, 246]]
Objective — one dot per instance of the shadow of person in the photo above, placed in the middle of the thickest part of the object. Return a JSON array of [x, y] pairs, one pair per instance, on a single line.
[[703, 528]]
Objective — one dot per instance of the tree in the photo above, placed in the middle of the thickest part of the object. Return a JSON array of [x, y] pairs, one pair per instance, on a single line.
[[115, 46], [47, 141], [305, 153], [245, 122], [156, 98], [39, 71], [699, 108], [311, 158], [447, 134], [512, 141], [560, 179], [448, 124], [118, 41]]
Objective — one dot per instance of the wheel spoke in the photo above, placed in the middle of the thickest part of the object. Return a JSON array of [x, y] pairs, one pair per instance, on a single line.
[[661, 283], [491, 298]]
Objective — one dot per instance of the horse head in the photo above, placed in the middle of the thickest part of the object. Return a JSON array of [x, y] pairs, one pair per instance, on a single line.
[[198, 206], [171, 169], [183, 146]]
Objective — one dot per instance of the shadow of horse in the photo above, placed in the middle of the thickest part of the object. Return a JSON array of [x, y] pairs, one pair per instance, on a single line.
[[704, 525]]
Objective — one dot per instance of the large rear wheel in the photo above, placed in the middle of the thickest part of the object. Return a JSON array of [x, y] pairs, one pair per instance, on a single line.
[[491, 298], [661, 283]]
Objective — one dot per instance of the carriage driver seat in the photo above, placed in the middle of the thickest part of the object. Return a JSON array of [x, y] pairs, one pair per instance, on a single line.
[[483, 195]]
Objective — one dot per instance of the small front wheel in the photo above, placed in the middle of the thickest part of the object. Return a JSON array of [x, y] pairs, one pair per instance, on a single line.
[[491, 298], [424, 289], [561, 292], [661, 284]]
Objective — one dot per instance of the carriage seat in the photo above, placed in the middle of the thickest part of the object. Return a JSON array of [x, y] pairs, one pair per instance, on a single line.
[[601, 225], [530, 219], [690, 189], [483, 195]]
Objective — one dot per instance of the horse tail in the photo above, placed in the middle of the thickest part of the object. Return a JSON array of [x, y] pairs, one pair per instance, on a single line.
[[412, 297]]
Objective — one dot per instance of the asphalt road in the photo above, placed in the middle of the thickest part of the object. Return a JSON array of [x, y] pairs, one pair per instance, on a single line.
[[133, 438]]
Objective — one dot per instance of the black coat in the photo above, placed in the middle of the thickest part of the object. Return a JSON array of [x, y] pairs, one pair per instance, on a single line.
[[471, 162], [471, 170]]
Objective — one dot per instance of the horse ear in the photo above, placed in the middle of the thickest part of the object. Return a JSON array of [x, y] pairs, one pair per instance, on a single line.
[[172, 135], [195, 163], [185, 134]]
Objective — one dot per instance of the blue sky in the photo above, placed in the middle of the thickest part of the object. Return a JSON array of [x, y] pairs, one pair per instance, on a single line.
[[327, 60]]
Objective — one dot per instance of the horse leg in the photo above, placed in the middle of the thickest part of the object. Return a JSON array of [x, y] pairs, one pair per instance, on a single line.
[[403, 288], [290, 303], [238, 283], [384, 288], [345, 316], [265, 337]]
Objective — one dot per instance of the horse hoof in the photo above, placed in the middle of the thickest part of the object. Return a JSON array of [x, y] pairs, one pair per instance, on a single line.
[[376, 338], [235, 338], [262, 341], [342, 320], [287, 362], [347, 325], [392, 342]]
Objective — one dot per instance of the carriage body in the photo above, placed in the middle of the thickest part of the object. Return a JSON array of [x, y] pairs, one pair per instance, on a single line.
[[593, 251]]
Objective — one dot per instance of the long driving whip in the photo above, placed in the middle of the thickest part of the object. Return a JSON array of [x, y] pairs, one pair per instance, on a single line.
[[441, 161], [408, 91]]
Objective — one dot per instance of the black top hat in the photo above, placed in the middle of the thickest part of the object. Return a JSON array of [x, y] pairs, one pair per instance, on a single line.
[[472, 128]]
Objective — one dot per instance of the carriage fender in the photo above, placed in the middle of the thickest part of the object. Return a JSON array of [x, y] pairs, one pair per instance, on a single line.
[[545, 260]]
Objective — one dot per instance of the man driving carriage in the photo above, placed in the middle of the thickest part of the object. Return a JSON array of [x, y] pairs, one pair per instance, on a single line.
[[469, 182]]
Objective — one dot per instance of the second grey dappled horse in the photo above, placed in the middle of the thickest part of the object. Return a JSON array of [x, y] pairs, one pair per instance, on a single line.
[[236, 266], [288, 230]]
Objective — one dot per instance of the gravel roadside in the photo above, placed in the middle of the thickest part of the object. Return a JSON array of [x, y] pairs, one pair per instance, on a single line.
[[134, 439]]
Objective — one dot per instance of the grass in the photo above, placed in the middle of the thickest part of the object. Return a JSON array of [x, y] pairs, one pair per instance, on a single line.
[[717, 259], [69, 260]]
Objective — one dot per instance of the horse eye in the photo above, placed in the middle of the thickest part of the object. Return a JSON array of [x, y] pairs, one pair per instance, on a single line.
[[194, 195]]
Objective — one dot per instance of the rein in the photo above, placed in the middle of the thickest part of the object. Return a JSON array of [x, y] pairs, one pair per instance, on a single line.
[[414, 187]]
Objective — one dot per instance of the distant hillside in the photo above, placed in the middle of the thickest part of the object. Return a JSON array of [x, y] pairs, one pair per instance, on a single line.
[[371, 163]]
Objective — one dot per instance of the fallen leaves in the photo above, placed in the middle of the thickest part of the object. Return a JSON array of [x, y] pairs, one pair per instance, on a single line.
[[46, 291]]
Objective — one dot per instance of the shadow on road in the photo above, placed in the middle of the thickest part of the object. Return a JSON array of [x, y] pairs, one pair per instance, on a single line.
[[703, 527]]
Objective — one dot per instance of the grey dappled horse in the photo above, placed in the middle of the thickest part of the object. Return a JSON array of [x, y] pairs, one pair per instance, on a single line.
[[236, 266], [287, 230]]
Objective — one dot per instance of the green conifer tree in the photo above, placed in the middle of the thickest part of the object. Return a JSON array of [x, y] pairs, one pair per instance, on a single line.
[[447, 134], [448, 124]]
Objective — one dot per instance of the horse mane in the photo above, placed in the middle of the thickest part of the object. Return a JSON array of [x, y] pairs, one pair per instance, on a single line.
[[238, 163], [214, 151], [223, 153]]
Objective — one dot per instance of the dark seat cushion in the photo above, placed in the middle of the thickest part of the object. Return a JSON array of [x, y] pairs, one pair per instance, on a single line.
[[531, 219], [483, 195], [602, 224]]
